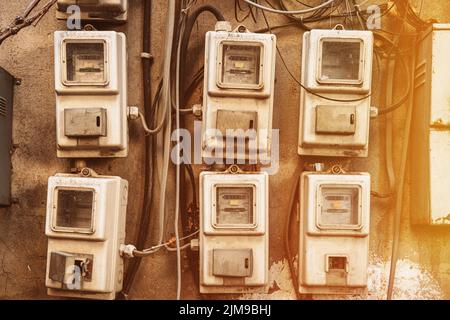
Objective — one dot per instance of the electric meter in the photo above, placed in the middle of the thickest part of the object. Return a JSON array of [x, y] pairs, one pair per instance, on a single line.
[[85, 226], [94, 10], [91, 94], [6, 118], [234, 232], [238, 95], [335, 102], [430, 131], [334, 233]]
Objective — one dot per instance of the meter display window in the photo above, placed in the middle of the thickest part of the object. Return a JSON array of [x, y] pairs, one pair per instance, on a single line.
[[240, 66], [85, 63], [74, 210], [341, 61], [235, 206], [339, 207]]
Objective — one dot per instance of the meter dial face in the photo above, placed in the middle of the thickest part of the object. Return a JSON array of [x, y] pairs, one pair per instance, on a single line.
[[241, 65], [341, 61], [235, 206], [74, 209], [86, 63], [339, 206]]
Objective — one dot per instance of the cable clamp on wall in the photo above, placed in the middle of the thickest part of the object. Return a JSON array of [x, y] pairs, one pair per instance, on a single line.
[[147, 55]]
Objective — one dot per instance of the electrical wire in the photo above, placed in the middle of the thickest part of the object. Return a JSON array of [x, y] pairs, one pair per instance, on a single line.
[[404, 98], [272, 10], [24, 21], [186, 246], [287, 232], [399, 202], [146, 128], [178, 156], [149, 107], [154, 249], [191, 222]]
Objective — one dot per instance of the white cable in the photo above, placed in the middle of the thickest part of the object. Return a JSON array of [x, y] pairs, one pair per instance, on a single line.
[[186, 246], [166, 100], [178, 153], [149, 251], [320, 6], [149, 131]]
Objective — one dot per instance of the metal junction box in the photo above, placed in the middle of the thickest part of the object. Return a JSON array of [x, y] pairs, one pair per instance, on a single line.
[[238, 94], [234, 232], [91, 94], [6, 119], [334, 233], [430, 140], [335, 99], [85, 227], [95, 10]]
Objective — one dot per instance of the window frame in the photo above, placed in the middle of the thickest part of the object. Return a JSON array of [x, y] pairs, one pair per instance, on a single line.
[[319, 206], [214, 204], [55, 202], [64, 63], [362, 62], [220, 66]]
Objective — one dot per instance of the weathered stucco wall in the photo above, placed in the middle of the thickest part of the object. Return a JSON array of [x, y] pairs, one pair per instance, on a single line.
[[424, 266]]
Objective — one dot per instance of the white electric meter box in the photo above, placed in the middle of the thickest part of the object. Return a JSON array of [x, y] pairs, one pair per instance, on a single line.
[[85, 227], [334, 233], [234, 232], [111, 11], [238, 94], [430, 132], [91, 94], [335, 99]]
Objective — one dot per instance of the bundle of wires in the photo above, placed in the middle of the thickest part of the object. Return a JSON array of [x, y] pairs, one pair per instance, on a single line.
[[25, 20]]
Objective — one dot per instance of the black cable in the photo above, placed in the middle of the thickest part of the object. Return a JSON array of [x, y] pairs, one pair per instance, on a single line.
[[394, 49], [144, 221], [186, 224]]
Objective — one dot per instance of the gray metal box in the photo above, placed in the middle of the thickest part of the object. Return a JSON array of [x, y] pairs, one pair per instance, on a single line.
[[6, 116]]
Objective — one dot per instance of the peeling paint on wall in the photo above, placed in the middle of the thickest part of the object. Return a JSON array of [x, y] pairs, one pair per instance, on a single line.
[[411, 283], [280, 284]]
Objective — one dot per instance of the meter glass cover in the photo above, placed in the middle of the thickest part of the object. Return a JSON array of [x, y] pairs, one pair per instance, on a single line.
[[339, 206], [341, 61], [74, 209], [241, 65], [85, 62], [234, 206]]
